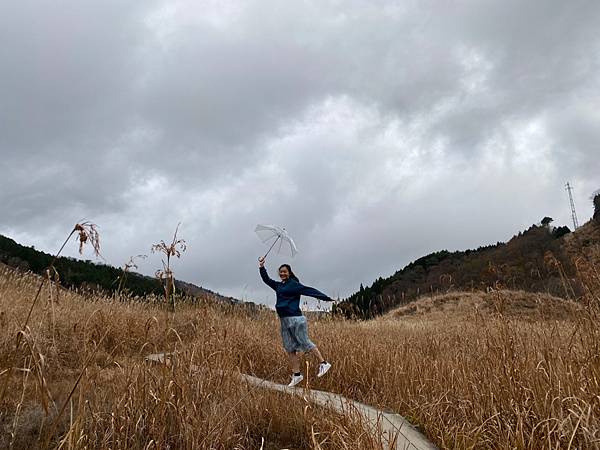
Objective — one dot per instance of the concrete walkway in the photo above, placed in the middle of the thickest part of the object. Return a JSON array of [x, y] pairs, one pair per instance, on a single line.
[[396, 432]]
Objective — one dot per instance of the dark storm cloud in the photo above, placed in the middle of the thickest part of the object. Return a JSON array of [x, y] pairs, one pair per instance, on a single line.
[[66, 90], [375, 131]]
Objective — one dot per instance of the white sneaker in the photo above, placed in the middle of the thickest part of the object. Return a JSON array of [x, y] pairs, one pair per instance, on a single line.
[[323, 368], [295, 380]]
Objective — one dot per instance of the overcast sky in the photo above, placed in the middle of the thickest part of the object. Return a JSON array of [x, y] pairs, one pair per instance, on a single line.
[[374, 131]]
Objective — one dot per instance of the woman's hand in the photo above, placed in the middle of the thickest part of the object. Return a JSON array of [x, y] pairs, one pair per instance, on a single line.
[[261, 261]]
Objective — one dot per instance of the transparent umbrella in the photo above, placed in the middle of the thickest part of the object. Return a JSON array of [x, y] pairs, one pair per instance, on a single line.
[[278, 238]]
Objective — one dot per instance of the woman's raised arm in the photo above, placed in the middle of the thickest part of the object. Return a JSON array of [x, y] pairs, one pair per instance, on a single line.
[[265, 276]]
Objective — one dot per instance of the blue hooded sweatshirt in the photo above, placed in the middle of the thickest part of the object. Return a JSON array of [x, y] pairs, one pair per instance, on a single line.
[[288, 294]]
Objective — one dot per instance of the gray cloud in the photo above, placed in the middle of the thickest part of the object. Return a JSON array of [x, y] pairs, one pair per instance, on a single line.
[[376, 132]]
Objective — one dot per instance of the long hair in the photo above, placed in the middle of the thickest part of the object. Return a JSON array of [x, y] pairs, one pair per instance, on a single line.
[[292, 274]]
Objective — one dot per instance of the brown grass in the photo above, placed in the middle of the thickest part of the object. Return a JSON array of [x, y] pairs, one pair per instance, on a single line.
[[514, 304], [497, 370], [94, 373], [493, 371]]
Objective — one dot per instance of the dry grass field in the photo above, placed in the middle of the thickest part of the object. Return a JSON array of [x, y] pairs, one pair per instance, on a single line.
[[80, 380], [494, 371]]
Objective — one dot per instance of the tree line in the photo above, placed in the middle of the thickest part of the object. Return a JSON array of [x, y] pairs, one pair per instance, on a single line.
[[74, 273]]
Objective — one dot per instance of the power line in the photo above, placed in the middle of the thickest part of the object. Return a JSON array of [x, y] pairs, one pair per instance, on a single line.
[[569, 189]]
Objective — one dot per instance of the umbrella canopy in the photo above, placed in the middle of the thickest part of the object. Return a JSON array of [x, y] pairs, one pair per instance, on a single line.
[[278, 238]]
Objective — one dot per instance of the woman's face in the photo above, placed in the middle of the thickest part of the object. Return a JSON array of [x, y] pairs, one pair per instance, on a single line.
[[284, 274]]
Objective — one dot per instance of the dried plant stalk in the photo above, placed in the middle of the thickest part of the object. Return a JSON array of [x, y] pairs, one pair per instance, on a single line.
[[166, 276], [125, 271]]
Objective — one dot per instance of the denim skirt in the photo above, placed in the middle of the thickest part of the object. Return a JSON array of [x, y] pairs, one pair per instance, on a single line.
[[294, 334]]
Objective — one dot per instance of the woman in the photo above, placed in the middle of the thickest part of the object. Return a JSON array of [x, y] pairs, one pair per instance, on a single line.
[[294, 328]]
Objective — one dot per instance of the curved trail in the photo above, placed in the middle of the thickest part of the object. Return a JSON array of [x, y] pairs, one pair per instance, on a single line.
[[396, 432]]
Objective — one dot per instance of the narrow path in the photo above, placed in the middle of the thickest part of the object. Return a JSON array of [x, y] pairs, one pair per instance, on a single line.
[[394, 429]]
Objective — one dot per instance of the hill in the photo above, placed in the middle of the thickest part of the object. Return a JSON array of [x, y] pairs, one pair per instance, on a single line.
[[540, 259], [89, 275], [517, 304]]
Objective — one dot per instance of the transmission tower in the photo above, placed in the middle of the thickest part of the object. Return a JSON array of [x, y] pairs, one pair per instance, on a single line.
[[569, 189]]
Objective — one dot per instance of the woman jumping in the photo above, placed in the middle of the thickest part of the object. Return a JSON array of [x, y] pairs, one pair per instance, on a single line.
[[294, 328]]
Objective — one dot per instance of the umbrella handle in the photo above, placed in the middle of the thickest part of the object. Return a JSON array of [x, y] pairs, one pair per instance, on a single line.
[[272, 245]]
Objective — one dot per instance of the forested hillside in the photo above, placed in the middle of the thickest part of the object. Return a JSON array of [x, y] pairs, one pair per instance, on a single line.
[[87, 274], [539, 259]]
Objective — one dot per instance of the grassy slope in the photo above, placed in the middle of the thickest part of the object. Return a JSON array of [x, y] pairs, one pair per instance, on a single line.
[[514, 304], [473, 378]]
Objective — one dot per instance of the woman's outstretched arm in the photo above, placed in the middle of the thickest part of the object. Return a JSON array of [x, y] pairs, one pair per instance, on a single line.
[[314, 293]]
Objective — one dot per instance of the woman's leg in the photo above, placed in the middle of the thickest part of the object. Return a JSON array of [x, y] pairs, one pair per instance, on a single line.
[[315, 351], [294, 361], [299, 332]]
